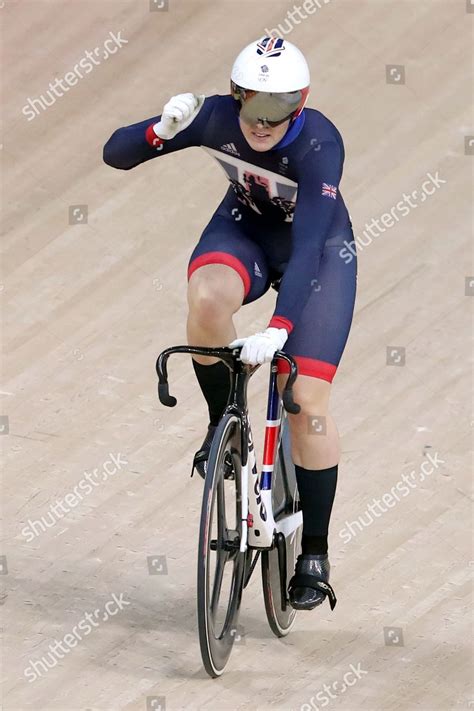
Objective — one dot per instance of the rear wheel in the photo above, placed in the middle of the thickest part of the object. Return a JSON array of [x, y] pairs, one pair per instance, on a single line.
[[221, 564], [278, 564]]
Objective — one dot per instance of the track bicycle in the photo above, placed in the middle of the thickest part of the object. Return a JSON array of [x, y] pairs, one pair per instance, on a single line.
[[244, 515]]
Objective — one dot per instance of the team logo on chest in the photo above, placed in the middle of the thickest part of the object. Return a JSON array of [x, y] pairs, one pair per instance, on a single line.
[[267, 193]]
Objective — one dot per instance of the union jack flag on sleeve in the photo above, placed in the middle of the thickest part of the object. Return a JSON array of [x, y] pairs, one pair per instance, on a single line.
[[329, 191]]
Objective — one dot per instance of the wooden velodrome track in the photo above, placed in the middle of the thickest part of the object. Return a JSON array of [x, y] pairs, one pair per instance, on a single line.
[[88, 305]]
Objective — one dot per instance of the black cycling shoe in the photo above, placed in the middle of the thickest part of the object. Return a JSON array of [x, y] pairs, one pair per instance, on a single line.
[[309, 586], [201, 457]]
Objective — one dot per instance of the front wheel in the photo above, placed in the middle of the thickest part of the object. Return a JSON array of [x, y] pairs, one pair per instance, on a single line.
[[221, 564]]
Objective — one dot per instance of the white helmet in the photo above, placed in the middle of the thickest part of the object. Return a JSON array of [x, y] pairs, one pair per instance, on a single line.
[[270, 79]]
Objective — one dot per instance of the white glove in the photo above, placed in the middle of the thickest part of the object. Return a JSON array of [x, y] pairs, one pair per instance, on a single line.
[[261, 347], [178, 113]]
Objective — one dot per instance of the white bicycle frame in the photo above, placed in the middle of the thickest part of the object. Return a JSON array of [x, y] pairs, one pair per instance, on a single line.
[[258, 523]]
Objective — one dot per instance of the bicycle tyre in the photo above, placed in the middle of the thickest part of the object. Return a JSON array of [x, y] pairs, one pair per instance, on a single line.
[[216, 640]]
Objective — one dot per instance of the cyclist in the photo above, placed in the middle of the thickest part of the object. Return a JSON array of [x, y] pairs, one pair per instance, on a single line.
[[282, 221]]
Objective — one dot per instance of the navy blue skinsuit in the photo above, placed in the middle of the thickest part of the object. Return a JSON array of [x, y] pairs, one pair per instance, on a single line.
[[282, 214]]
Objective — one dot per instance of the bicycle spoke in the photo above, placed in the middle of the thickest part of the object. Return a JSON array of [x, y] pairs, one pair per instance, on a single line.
[[222, 518], [221, 556]]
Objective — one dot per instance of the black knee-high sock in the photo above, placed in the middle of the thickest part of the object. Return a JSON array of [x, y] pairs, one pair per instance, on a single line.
[[317, 488], [214, 381]]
